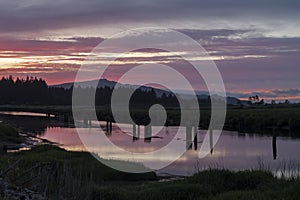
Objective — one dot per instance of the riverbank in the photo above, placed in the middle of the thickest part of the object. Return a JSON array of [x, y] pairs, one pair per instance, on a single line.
[[49, 172], [283, 120], [60, 174], [211, 184], [13, 139], [54, 173], [9, 135], [9, 138]]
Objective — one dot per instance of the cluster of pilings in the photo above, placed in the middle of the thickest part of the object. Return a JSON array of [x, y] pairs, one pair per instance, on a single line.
[[136, 132], [109, 127], [65, 117], [191, 137]]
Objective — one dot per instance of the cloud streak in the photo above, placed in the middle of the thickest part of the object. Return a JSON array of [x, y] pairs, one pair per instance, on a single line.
[[39, 16]]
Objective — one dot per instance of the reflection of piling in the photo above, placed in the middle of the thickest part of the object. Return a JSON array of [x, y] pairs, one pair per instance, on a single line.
[[109, 126], [148, 133], [211, 143], [134, 137], [274, 145], [138, 131], [167, 129], [195, 138], [188, 137]]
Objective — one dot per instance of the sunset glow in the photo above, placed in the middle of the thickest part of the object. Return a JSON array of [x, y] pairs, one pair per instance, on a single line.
[[261, 54]]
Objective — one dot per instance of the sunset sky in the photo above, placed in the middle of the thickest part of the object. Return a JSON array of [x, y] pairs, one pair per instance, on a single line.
[[255, 44]]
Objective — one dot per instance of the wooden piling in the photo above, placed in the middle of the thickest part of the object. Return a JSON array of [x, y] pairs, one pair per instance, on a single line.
[[134, 132], [196, 138], [110, 126], [211, 143], [148, 134], [107, 127], [188, 137]]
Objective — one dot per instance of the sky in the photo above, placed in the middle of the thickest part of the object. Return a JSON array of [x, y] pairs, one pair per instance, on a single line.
[[255, 44]]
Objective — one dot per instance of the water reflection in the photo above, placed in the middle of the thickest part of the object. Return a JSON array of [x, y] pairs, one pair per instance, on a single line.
[[196, 138], [28, 114], [274, 145], [233, 150]]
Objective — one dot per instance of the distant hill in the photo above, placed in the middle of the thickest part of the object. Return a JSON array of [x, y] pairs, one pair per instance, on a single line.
[[111, 84], [101, 83], [159, 92]]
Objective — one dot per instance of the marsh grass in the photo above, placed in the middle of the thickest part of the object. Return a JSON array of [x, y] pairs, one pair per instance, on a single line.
[[59, 174], [8, 134], [209, 184], [285, 169]]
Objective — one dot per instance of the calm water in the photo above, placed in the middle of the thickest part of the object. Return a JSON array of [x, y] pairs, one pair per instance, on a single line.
[[233, 150], [30, 114]]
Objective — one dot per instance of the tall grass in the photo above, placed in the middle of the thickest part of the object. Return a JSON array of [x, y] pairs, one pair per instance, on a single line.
[[286, 169], [8, 134], [60, 174]]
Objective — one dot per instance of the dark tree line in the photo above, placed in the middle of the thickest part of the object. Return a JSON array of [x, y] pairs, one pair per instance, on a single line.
[[35, 91], [31, 91]]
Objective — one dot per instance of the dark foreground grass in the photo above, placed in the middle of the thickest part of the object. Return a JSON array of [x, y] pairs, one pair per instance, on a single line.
[[8, 134], [213, 184], [59, 174]]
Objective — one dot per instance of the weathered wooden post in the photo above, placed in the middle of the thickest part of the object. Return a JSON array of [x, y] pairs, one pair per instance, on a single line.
[[188, 137], [138, 132], [274, 145], [148, 134], [134, 132], [107, 128], [211, 142], [110, 126], [196, 138]]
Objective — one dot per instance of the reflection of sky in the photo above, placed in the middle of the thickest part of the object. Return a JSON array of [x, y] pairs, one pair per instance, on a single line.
[[24, 114], [232, 151]]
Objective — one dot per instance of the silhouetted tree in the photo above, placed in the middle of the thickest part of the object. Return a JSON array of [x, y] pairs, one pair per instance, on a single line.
[[34, 91]]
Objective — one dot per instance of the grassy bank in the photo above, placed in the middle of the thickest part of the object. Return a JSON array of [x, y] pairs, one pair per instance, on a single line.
[[284, 120], [213, 184], [59, 174], [8, 134]]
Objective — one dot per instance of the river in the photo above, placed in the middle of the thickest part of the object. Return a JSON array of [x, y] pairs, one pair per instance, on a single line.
[[233, 150]]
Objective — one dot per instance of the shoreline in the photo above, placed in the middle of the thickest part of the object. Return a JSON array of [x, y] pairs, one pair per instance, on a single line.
[[84, 176], [257, 119]]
